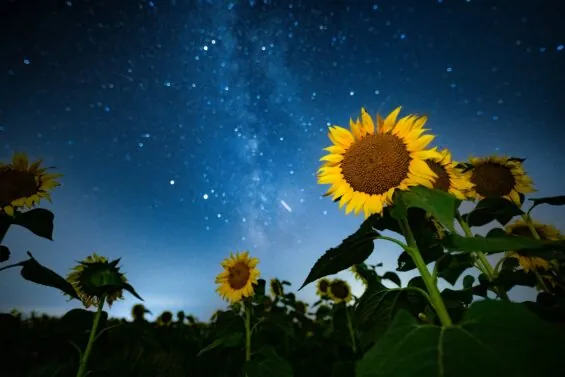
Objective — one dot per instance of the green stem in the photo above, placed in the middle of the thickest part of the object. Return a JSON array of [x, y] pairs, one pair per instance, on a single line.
[[351, 331], [393, 240], [482, 259], [84, 359], [433, 291], [247, 331], [528, 219], [540, 279]]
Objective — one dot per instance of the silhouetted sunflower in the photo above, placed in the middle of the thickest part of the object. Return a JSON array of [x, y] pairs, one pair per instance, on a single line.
[[366, 165], [322, 287], [95, 277], [239, 275], [449, 178], [165, 319], [138, 312], [339, 291], [546, 233], [24, 185], [276, 287], [357, 276], [499, 177]]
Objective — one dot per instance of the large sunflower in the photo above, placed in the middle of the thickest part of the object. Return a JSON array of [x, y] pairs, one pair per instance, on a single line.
[[366, 165], [339, 291], [24, 184], [449, 178], [498, 177], [239, 275], [94, 278], [546, 233]]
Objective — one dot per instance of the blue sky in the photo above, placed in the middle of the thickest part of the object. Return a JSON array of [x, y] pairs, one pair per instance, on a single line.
[[182, 127]]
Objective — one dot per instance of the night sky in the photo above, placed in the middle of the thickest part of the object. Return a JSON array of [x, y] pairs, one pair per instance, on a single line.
[[188, 129]]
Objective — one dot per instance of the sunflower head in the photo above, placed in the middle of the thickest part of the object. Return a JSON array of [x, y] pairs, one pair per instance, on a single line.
[[239, 275], [95, 279], [357, 276], [546, 233], [449, 178], [367, 164], [322, 287], [181, 316], [339, 291], [24, 185], [165, 319], [499, 177], [138, 312], [276, 287]]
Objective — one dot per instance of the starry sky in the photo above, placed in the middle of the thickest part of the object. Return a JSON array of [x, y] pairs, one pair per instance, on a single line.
[[187, 129]]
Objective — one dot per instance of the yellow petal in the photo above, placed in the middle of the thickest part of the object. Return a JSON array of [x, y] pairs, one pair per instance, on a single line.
[[367, 121]]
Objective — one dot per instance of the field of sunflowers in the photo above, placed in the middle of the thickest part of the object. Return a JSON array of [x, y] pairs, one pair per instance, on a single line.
[[384, 168]]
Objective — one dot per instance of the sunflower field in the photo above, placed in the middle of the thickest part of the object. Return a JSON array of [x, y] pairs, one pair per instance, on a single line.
[[411, 195]]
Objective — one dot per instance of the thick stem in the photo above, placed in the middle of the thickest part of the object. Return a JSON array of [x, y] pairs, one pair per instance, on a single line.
[[351, 331], [433, 291], [487, 268], [247, 331], [84, 359]]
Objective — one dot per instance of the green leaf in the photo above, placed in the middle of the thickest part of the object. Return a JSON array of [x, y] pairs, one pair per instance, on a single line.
[[495, 338], [468, 281], [131, 290], [552, 201], [354, 249], [392, 277], [4, 253], [455, 242], [267, 363], [377, 308], [39, 221], [230, 340], [508, 279], [438, 203], [451, 266], [38, 274], [491, 209]]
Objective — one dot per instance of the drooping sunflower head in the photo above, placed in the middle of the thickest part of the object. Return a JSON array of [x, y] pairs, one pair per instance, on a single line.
[[368, 163], [165, 319], [138, 312], [24, 185], [357, 276], [339, 291], [95, 279], [322, 287], [546, 233], [276, 287], [239, 275], [449, 178], [499, 177]]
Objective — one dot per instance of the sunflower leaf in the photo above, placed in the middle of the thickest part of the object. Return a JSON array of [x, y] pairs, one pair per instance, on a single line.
[[39, 221], [267, 363], [38, 274], [491, 209], [488, 327], [451, 266], [4, 253], [354, 249], [389, 275], [438, 203], [552, 201], [230, 340], [131, 290], [455, 242]]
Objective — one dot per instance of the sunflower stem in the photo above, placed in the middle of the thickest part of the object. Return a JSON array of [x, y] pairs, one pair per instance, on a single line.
[[433, 291], [528, 220], [247, 331], [487, 268], [351, 331], [84, 359], [393, 240], [540, 279]]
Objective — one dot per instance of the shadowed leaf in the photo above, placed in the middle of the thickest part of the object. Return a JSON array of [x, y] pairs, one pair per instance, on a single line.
[[39, 221]]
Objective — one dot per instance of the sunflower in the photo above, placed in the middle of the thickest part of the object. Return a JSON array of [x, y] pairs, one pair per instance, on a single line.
[[498, 177], [546, 233], [339, 291], [366, 165], [322, 287], [138, 312], [94, 278], [449, 178], [24, 184], [357, 276], [165, 319], [276, 288], [238, 277]]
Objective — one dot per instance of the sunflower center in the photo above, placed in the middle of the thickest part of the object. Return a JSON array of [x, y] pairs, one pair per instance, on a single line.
[[442, 182], [493, 180], [239, 275], [324, 286], [339, 289], [376, 163], [15, 185]]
